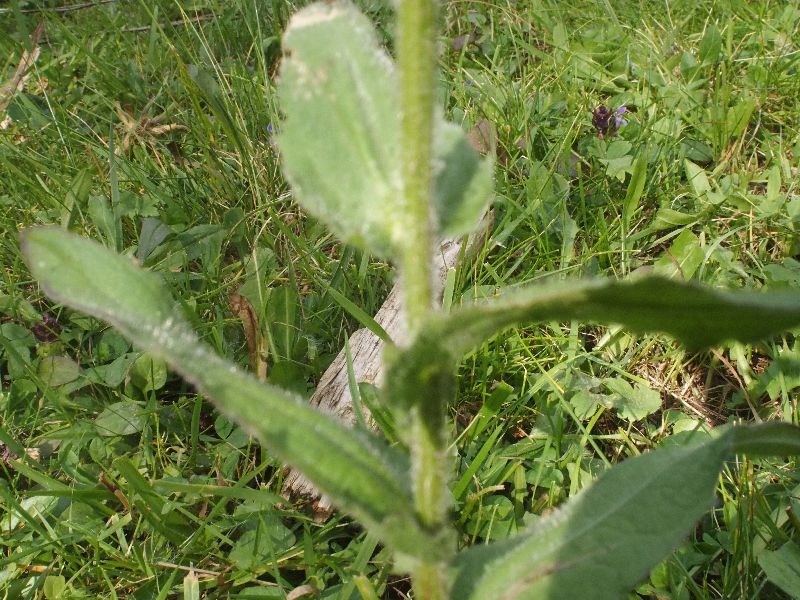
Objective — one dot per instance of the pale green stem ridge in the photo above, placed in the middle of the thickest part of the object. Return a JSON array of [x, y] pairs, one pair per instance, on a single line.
[[431, 582], [430, 477], [417, 65], [417, 62]]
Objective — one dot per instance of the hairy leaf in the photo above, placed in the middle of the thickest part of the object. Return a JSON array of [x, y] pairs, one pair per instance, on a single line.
[[697, 316], [766, 439], [340, 140], [605, 539], [356, 469]]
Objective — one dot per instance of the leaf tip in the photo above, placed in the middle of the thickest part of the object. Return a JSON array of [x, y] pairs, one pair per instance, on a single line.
[[318, 12]]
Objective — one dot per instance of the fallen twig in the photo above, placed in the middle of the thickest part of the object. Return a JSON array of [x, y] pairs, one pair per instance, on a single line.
[[17, 82], [333, 391]]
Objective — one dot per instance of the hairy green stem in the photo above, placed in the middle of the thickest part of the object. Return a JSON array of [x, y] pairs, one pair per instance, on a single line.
[[430, 473], [430, 582], [417, 62], [416, 44]]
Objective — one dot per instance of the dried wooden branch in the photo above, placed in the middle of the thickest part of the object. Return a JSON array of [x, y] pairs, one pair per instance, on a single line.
[[333, 392], [16, 84]]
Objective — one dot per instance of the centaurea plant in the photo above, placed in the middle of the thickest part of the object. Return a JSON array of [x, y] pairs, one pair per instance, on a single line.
[[367, 151]]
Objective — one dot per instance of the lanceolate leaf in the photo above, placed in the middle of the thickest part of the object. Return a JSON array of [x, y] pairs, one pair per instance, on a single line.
[[607, 538], [357, 470], [340, 140], [696, 316], [766, 439], [635, 189]]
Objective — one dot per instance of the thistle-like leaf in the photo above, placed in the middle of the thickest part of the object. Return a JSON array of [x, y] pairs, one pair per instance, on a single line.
[[606, 539], [697, 316]]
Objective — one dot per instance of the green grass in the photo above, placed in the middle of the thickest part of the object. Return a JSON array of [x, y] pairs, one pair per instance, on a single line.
[[139, 481]]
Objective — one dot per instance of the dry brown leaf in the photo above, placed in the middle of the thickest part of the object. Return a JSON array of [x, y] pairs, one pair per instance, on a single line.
[[302, 592], [144, 128], [256, 348], [483, 137], [7, 455]]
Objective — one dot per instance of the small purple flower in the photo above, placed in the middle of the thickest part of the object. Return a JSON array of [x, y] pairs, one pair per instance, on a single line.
[[47, 329], [618, 120], [601, 119], [606, 121], [271, 130]]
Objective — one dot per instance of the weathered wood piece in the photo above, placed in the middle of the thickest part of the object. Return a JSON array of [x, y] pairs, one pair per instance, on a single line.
[[333, 392]]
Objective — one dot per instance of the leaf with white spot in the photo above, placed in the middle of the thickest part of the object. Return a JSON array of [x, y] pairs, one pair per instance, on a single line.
[[340, 141]]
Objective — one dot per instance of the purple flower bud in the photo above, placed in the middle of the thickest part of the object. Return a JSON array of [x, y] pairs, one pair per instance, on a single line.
[[603, 120], [47, 329], [606, 121], [272, 130]]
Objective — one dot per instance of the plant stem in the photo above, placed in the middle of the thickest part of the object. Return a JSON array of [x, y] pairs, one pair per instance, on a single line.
[[430, 582], [417, 64]]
